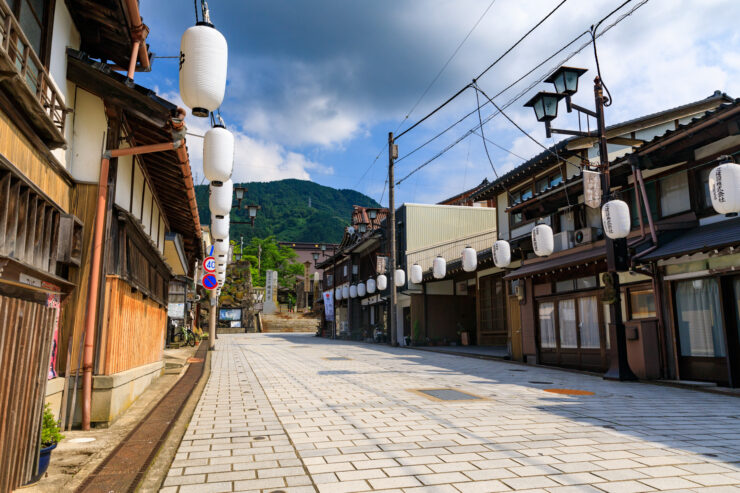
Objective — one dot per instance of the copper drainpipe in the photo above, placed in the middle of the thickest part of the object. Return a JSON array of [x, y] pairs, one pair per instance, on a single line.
[[139, 32], [92, 299]]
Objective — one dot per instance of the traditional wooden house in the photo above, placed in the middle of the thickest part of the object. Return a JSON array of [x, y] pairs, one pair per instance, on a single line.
[[82, 231], [551, 305]]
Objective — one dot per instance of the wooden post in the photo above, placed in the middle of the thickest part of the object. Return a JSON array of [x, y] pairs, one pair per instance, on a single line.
[[212, 320], [392, 155]]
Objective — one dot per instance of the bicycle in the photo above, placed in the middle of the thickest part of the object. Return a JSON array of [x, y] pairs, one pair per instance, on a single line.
[[190, 337]]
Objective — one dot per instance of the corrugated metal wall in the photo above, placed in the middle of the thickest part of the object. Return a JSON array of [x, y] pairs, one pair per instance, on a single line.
[[428, 225], [25, 344]]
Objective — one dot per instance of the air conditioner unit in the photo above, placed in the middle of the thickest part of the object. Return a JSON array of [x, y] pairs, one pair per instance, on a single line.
[[585, 235], [563, 241]]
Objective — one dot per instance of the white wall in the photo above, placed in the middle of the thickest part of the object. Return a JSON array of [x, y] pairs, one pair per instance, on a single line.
[[64, 35], [90, 129]]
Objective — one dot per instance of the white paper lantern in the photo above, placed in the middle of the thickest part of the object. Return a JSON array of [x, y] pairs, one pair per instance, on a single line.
[[724, 188], [399, 277], [501, 252], [338, 294], [439, 267], [543, 241], [353, 291], [218, 154], [221, 246], [416, 275], [616, 220], [345, 292], [220, 199], [469, 259], [203, 61], [361, 290], [371, 286], [382, 282], [219, 227]]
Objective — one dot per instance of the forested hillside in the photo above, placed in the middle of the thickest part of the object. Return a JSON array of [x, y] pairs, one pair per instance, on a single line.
[[285, 212]]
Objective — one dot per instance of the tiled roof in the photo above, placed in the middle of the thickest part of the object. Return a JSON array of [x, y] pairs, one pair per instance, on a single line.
[[719, 235]]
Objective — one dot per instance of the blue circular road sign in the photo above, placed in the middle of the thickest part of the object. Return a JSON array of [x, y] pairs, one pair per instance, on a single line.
[[209, 281]]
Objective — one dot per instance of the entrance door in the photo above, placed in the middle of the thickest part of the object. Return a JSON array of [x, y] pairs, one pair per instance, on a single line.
[[515, 328], [701, 331], [493, 328]]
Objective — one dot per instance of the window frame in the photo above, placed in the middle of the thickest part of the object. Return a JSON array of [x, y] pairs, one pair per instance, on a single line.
[[46, 24], [575, 296]]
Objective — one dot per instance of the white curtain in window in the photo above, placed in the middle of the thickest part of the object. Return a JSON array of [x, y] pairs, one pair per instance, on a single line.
[[699, 318], [567, 323], [589, 316], [674, 194], [547, 325]]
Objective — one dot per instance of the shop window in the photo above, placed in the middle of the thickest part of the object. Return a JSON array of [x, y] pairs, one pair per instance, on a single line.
[[547, 324], [517, 198], [674, 194], [642, 303], [706, 198], [589, 322], [567, 324], [564, 286], [699, 318]]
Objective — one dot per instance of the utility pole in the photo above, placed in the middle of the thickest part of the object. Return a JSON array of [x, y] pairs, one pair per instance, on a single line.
[[212, 320], [392, 156], [616, 257]]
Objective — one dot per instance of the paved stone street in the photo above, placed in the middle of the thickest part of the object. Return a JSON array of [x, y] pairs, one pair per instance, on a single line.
[[281, 413]]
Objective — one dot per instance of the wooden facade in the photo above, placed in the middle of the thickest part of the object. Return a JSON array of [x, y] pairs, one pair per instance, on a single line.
[[133, 330], [26, 327]]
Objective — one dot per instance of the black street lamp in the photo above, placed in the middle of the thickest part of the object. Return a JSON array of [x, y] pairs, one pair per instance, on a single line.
[[565, 80]]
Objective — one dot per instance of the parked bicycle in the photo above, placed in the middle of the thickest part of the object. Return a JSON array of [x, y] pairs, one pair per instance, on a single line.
[[189, 337]]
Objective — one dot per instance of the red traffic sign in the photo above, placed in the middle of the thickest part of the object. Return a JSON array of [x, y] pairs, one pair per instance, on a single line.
[[209, 264], [210, 282]]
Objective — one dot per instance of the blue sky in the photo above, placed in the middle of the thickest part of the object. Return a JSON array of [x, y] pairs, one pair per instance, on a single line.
[[314, 87]]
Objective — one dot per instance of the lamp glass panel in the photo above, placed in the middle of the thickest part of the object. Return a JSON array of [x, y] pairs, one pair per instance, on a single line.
[[560, 83], [571, 81], [239, 193], [539, 109], [550, 106], [252, 212]]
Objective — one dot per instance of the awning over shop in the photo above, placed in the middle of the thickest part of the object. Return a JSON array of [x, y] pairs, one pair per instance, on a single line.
[[552, 264], [715, 236]]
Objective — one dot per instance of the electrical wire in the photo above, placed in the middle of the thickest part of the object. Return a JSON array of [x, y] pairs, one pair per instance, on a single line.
[[449, 100], [485, 146], [429, 86], [490, 117]]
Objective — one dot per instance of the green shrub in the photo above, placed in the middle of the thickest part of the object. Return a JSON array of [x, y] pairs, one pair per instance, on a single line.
[[50, 433]]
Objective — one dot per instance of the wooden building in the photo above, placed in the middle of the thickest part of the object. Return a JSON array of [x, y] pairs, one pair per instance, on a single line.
[[58, 110]]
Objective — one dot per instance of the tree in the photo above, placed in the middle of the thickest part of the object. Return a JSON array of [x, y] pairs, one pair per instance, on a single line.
[[265, 254]]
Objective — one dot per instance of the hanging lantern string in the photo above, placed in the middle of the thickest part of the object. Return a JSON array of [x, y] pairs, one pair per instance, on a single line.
[[206, 12], [195, 6]]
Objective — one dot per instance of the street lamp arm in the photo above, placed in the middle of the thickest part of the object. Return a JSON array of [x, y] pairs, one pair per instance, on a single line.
[[581, 109], [578, 133]]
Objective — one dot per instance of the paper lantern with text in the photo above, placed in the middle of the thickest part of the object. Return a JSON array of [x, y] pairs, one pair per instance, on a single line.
[[371, 286], [382, 282], [338, 294], [203, 62], [345, 292], [399, 277], [361, 290], [724, 188], [501, 252], [218, 154], [439, 267], [469, 259], [416, 274], [615, 218], [353, 291], [543, 241], [220, 199]]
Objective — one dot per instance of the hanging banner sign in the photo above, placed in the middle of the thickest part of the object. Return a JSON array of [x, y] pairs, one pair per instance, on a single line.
[[592, 188], [329, 305], [381, 263]]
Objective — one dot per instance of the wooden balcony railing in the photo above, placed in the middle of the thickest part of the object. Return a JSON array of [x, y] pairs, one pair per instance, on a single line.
[[23, 74]]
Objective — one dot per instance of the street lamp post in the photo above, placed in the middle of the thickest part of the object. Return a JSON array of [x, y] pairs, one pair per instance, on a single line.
[[565, 80]]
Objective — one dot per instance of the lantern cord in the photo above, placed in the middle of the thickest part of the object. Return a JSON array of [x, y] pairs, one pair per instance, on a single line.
[[206, 12], [608, 101], [195, 5]]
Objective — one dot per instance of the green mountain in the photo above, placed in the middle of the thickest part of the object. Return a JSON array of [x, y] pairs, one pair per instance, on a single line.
[[285, 211]]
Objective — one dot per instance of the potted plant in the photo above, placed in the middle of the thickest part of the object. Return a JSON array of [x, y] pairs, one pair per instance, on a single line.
[[50, 437]]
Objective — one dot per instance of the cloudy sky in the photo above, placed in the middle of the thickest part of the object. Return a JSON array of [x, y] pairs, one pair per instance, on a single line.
[[314, 87]]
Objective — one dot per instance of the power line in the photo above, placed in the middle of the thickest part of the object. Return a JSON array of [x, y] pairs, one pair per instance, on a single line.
[[510, 102], [424, 93], [448, 101]]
